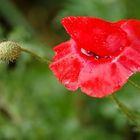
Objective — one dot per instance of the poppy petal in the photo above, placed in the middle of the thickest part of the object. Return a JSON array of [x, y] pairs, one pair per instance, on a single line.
[[67, 64], [103, 79], [96, 35], [132, 28], [130, 59]]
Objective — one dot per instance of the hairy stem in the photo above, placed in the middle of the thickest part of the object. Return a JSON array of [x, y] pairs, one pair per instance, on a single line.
[[130, 115], [134, 84], [41, 59]]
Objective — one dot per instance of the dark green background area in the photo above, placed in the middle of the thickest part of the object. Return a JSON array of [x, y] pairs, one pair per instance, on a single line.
[[33, 105]]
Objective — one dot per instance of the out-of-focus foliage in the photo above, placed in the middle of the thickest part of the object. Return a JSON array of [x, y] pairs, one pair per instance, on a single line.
[[33, 105], [106, 9]]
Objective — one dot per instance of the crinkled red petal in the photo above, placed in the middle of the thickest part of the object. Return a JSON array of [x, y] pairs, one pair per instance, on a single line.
[[103, 79], [67, 64], [96, 35], [132, 28], [130, 59]]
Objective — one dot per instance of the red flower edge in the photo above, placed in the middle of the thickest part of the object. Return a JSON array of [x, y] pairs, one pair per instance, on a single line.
[[100, 56]]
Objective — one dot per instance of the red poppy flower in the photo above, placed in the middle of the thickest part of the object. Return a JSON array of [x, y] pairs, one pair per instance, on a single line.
[[100, 56]]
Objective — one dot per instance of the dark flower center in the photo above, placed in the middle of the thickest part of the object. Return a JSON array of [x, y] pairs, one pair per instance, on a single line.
[[92, 54]]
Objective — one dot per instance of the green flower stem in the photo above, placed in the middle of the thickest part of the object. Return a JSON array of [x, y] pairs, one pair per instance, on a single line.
[[129, 114], [134, 84], [41, 59]]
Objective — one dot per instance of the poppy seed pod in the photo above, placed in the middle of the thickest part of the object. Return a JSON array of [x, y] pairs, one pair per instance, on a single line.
[[9, 51]]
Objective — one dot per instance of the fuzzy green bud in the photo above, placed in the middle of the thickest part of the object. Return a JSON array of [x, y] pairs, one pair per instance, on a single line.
[[9, 51]]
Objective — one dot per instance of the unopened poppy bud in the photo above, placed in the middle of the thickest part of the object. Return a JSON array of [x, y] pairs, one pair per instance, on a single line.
[[9, 51]]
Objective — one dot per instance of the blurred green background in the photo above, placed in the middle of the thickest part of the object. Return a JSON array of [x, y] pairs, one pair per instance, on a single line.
[[33, 105]]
